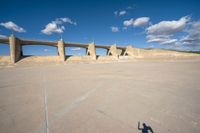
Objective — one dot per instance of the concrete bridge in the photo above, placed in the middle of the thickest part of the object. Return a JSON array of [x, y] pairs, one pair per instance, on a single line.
[[17, 43], [113, 51]]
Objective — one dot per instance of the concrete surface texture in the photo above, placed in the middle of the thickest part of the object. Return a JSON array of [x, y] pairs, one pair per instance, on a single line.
[[101, 97]]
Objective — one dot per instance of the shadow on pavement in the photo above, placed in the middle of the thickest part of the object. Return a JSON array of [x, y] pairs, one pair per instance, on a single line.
[[145, 128]]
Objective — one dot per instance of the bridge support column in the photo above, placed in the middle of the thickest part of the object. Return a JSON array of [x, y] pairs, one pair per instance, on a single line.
[[15, 49], [122, 52], [91, 51], [129, 51], [113, 51], [61, 50]]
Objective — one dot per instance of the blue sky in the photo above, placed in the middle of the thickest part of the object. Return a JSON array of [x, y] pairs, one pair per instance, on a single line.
[[141, 23]]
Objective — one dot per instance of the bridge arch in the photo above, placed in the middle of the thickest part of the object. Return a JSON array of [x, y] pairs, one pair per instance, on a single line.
[[4, 49], [75, 51], [39, 50], [102, 51]]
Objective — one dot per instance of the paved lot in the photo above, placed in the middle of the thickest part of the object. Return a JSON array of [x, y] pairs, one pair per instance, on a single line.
[[101, 98]]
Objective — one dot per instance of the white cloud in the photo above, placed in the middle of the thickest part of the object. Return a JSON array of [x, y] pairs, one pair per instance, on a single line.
[[3, 36], [123, 12], [52, 27], [128, 22], [65, 20], [193, 37], [57, 26], [168, 27], [162, 39], [120, 13], [142, 21], [165, 33], [12, 26], [170, 41], [75, 49], [114, 29]]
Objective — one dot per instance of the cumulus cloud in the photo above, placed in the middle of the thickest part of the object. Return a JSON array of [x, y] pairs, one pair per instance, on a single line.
[[56, 26], [192, 39], [120, 13], [128, 22], [12, 26], [52, 27], [142, 21], [168, 27], [163, 32], [114, 29]]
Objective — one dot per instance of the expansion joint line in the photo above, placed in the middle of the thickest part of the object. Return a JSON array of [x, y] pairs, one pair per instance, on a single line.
[[45, 101]]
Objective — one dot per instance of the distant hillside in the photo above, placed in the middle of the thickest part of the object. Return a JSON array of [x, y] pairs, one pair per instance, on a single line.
[[195, 52]]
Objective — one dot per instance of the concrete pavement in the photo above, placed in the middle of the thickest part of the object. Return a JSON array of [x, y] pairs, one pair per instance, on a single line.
[[101, 98]]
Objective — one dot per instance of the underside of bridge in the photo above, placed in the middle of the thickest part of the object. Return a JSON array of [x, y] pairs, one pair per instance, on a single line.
[[113, 52]]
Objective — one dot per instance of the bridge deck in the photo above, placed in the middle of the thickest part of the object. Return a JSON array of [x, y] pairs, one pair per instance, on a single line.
[[51, 43]]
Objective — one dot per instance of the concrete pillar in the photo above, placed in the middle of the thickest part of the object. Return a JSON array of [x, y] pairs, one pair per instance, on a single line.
[[107, 51], [91, 51], [129, 51], [113, 51], [122, 52], [15, 49], [61, 50]]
